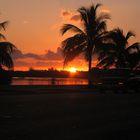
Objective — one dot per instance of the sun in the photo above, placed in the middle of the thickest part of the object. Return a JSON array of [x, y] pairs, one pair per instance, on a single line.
[[72, 70]]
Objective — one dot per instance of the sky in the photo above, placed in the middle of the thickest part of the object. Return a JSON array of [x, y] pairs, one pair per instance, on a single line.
[[34, 27]]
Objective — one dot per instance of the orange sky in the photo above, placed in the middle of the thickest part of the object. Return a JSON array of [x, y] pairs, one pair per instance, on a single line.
[[34, 27]]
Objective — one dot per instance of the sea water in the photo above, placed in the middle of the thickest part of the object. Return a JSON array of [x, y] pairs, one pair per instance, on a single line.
[[48, 81]]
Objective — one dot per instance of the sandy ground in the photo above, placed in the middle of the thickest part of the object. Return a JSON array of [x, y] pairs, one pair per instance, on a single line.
[[68, 113]]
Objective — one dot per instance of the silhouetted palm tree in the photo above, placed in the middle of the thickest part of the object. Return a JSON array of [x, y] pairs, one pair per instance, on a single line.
[[6, 49], [116, 51], [134, 58], [86, 38]]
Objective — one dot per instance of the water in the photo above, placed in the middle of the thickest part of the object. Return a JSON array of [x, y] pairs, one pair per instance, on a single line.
[[48, 81]]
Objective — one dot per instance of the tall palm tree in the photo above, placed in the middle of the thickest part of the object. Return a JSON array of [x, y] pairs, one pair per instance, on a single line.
[[86, 37], [116, 50], [6, 49]]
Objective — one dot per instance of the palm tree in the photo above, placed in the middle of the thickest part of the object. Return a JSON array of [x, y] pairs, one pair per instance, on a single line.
[[134, 58], [86, 37], [6, 49], [117, 52]]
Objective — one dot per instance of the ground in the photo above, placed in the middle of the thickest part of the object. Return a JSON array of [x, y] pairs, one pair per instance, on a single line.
[[68, 113]]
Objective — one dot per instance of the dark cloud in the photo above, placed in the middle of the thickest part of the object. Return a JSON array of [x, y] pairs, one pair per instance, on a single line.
[[21, 63], [54, 64], [38, 64], [34, 56], [69, 15], [48, 59], [75, 18], [50, 55], [65, 13], [17, 54]]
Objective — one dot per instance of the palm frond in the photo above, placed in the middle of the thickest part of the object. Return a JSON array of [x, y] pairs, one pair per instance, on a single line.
[[3, 25], [97, 6], [101, 27], [118, 37], [134, 46], [130, 34], [103, 55], [2, 36], [102, 37], [83, 12], [105, 47], [73, 46], [74, 52], [106, 62], [73, 41], [134, 60], [93, 11], [103, 16], [7, 47], [6, 60], [70, 27]]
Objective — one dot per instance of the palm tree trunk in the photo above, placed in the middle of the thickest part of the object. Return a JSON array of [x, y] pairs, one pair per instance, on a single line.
[[90, 47], [89, 72], [1, 68]]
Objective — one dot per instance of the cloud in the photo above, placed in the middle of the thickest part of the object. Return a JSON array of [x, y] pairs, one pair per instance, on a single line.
[[49, 55], [55, 64], [105, 10], [34, 56], [65, 13], [47, 60], [75, 17], [24, 61], [17, 54], [69, 15], [66, 16], [21, 63], [44, 61]]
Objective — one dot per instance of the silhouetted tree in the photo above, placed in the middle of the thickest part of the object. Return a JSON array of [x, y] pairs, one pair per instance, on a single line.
[[86, 37], [116, 51], [6, 49], [134, 57]]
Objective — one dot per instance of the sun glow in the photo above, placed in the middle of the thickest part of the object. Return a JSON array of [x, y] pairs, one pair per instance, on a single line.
[[72, 70]]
